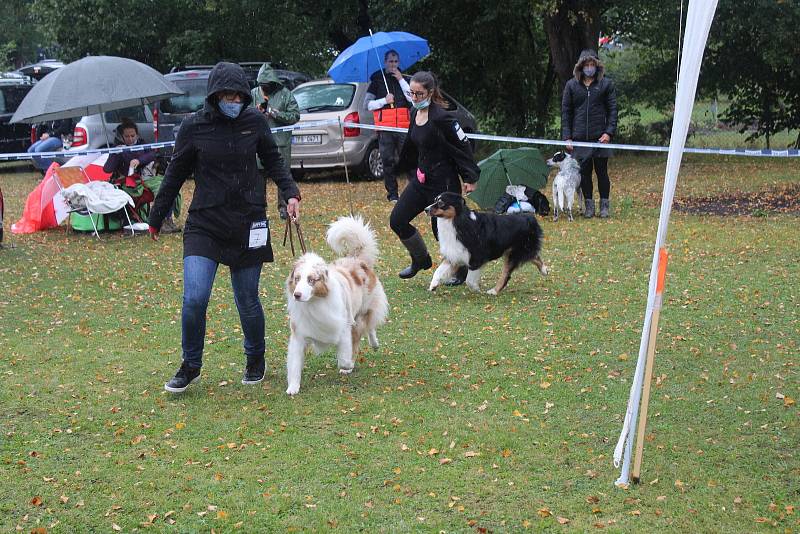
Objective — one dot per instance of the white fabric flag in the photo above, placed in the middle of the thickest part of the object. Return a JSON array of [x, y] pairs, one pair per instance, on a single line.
[[698, 22]]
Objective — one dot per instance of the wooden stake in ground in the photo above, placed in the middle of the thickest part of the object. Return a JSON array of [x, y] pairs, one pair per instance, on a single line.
[[648, 370]]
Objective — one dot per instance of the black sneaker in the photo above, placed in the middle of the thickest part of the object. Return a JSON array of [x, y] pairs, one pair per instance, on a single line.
[[254, 372], [393, 199], [186, 375]]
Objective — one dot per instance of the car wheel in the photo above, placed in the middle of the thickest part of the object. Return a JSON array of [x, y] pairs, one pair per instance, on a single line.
[[372, 166]]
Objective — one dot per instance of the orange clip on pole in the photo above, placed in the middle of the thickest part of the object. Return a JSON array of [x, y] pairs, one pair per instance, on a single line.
[[662, 270]]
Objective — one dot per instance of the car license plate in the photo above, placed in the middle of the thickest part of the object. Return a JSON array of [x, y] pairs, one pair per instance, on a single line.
[[306, 139]]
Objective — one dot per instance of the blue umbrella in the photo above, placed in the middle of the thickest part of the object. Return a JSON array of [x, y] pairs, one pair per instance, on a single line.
[[365, 56]]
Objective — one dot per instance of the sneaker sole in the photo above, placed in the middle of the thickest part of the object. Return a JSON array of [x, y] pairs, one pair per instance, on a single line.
[[251, 382], [181, 390]]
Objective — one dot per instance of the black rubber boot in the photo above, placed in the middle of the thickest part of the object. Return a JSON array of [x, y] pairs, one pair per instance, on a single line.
[[605, 206], [588, 211], [420, 259]]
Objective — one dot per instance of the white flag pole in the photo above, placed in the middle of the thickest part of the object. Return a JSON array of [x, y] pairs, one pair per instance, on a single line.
[[698, 22]]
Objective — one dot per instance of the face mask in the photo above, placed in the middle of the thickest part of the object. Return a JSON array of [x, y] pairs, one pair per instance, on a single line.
[[423, 104], [589, 71], [230, 109]]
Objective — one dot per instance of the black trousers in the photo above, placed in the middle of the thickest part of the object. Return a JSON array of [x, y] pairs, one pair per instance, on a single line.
[[603, 181], [389, 145], [413, 201]]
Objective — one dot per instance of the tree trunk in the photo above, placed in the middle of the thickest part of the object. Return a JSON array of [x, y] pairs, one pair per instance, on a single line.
[[575, 26]]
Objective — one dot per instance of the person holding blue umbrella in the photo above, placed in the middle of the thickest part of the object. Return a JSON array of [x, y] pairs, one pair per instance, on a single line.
[[389, 100]]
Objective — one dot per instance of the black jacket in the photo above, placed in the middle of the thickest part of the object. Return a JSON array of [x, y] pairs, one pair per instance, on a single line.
[[229, 191], [451, 157], [589, 112], [377, 87]]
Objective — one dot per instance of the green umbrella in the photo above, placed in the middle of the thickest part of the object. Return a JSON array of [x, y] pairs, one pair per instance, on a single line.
[[509, 166]]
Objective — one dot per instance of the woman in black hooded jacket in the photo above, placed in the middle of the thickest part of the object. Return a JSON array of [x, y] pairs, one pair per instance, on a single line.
[[589, 113], [227, 220]]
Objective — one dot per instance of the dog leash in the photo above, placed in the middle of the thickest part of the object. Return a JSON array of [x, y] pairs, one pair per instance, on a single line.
[[288, 233]]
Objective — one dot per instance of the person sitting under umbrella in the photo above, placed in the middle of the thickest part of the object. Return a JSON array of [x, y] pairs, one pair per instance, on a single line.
[[133, 170], [51, 139]]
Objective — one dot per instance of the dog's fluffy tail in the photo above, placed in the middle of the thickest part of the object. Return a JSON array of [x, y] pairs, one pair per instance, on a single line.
[[351, 236]]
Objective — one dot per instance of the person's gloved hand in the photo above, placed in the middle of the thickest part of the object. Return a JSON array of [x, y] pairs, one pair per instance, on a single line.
[[153, 231]]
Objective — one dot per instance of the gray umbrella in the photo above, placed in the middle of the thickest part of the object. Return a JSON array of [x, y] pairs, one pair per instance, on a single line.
[[91, 85]]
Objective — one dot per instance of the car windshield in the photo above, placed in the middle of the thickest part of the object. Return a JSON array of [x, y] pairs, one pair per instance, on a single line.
[[192, 101], [324, 97], [11, 96]]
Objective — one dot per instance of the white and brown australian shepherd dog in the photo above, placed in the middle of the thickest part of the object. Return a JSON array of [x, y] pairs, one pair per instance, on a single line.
[[335, 304]]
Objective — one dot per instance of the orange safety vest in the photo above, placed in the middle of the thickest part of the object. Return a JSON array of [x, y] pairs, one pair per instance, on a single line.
[[393, 117]]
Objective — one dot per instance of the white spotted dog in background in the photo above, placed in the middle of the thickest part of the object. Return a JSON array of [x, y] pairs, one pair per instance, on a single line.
[[565, 184], [335, 304]]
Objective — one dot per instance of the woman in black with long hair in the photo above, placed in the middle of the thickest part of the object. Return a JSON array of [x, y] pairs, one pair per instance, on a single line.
[[439, 150]]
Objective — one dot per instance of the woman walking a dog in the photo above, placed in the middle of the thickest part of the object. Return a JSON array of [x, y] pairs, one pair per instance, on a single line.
[[589, 113], [227, 220], [439, 150]]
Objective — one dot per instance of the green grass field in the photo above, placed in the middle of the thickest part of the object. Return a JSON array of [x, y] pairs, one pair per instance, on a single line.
[[476, 413]]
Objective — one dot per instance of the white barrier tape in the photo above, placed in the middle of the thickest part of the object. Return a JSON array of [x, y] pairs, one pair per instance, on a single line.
[[16, 156], [788, 153]]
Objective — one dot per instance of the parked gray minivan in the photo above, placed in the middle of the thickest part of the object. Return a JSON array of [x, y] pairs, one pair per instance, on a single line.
[[193, 82]]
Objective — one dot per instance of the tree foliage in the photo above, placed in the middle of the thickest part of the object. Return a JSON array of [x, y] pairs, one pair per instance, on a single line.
[[506, 60], [19, 39], [749, 59]]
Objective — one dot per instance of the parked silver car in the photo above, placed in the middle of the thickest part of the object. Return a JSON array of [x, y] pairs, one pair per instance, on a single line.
[[89, 134], [320, 148]]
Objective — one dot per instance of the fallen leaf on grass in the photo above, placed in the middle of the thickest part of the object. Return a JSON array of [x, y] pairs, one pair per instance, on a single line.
[[562, 520], [222, 514], [471, 454], [116, 527], [544, 512], [36, 501]]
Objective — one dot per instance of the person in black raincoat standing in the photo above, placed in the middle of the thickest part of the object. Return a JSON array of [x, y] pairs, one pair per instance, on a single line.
[[437, 151], [227, 220], [589, 113]]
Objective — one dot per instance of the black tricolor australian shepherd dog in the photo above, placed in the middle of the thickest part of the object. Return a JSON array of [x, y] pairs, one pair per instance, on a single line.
[[474, 238]]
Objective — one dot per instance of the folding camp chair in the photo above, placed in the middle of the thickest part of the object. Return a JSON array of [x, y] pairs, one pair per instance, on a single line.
[[65, 177]]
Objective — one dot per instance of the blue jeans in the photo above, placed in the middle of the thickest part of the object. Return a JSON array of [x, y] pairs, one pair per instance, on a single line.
[[51, 144], [198, 278]]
